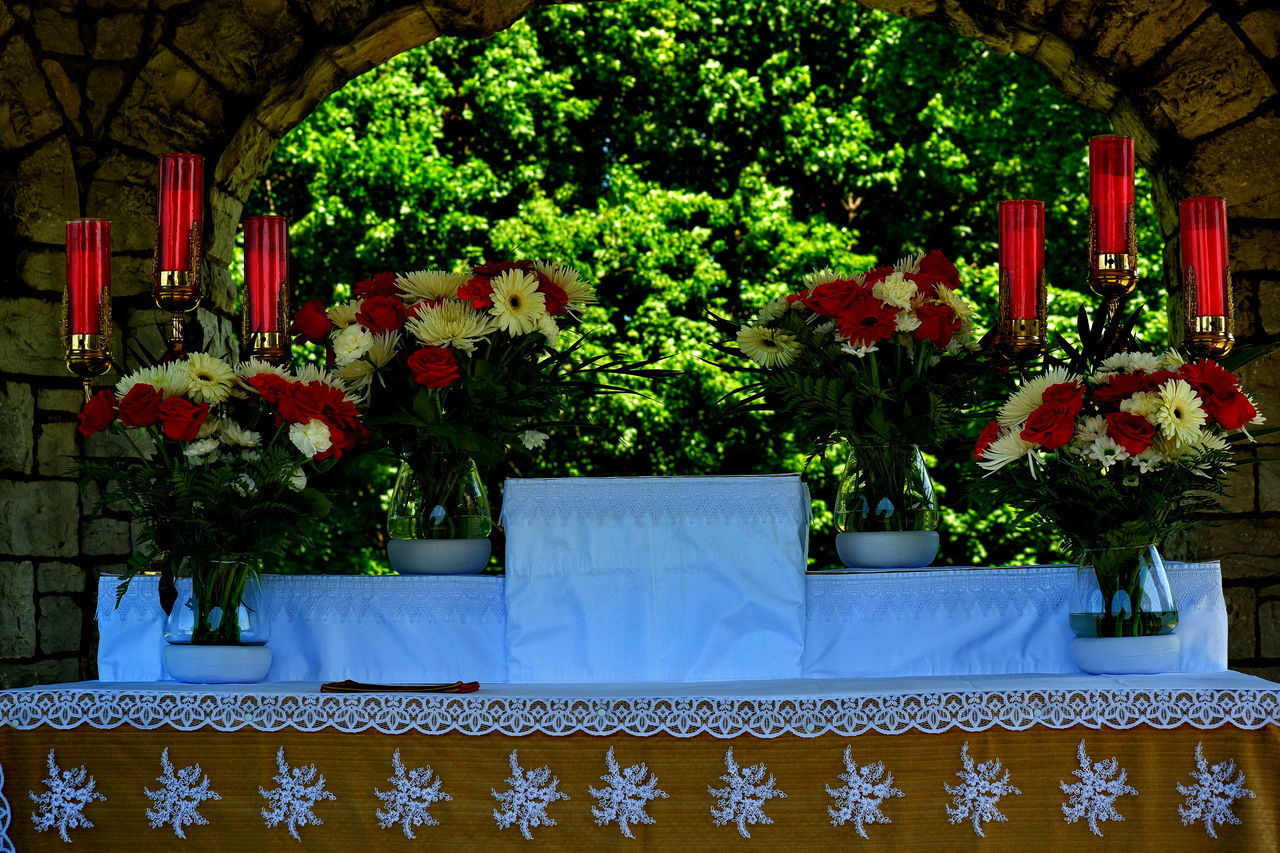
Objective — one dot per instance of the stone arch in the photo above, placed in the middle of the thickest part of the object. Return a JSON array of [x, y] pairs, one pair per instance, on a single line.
[[91, 92]]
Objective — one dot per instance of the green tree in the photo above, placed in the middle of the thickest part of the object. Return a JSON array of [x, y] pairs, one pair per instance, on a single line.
[[690, 155]]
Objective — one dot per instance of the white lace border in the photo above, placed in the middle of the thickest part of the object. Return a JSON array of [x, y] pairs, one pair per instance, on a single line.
[[929, 713]]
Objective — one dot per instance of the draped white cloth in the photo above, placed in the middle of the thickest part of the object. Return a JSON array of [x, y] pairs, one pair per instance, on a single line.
[[427, 629], [655, 578]]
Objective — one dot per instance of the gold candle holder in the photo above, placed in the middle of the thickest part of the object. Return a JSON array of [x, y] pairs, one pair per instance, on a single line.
[[1021, 339], [1113, 276], [1207, 336], [88, 355], [178, 293]]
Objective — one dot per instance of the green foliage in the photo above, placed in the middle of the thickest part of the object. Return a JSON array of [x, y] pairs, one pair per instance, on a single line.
[[692, 155]]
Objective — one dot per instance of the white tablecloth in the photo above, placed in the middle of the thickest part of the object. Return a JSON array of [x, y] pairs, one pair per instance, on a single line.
[[426, 629]]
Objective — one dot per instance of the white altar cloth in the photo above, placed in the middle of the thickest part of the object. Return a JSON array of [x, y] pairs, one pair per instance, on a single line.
[[427, 629]]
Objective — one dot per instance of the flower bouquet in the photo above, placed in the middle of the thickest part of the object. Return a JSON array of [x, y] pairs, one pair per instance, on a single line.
[[216, 481], [456, 369], [878, 360], [1117, 456]]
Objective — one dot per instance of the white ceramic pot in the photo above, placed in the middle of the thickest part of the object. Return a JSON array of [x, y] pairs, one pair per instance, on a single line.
[[1126, 655], [904, 549], [439, 556], [201, 664]]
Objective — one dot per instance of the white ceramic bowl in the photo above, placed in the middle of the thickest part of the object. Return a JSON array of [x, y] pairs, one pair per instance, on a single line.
[[1126, 655], [439, 556], [905, 549], [196, 664]]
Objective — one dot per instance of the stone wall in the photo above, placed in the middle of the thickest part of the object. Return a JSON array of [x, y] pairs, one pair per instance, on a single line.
[[91, 92]]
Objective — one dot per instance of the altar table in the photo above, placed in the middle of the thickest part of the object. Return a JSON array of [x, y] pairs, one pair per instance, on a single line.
[[1000, 762]]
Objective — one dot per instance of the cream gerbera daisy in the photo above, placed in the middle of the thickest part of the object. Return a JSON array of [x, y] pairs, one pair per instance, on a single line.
[[579, 292], [1142, 403], [768, 347], [344, 313], [517, 305], [894, 290], [172, 379], [144, 376], [772, 311], [246, 370], [821, 276], [450, 324], [1179, 415], [431, 285], [1009, 447], [1030, 396], [209, 378]]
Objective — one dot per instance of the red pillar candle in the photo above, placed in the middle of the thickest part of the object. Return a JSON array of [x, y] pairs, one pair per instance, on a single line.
[[88, 274], [266, 270], [1022, 257], [1111, 192], [1203, 229], [181, 208]]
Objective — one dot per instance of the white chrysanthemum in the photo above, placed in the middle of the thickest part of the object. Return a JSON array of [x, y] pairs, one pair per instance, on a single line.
[[431, 285], [532, 439], [1259, 419], [1009, 447], [358, 375], [907, 321], [1142, 403], [952, 300], [351, 343], [518, 307], [578, 291], [1030, 396], [144, 376], [234, 435], [1171, 359], [172, 379], [911, 263], [1090, 429], [1210, 440], [209, 378], [311, 438], [1132, 362], [857, 352], [1106, 452], [894, 290], [344, 313], [298, 481], [550, 331], [450, 324], [315, 373], [201, 451], [1179, 415], [768, 347], [822, 276], [209, 427], [772, 311], [246, 370]]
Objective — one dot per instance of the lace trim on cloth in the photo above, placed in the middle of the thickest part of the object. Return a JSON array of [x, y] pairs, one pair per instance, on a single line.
[[781, 497], [427, 714], [336, 598], [6, 815], [893, 596]]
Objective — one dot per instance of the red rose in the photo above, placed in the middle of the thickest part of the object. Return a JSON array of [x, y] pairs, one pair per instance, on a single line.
[[1231, 410], [557, 300], [867, 320], [834, 297], [141, 406], [990, 433], [270, 385], [1069, 395], [381, 314], [937, 267], [181, 419], [938, 323], [98, 413], [1132, 432], [382, 284], [1050, 426], [1123, 385], [493, 269], [1208, 378], [478, 291], [434, 367], [312, 323], [793, 298], [301, 401], [876, 275]]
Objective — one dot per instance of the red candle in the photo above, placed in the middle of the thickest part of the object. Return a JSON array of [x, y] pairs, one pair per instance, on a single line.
[[88, 274], [1203, 228], [266, 270], [1111, 192], [181, 207], [1022, 257]]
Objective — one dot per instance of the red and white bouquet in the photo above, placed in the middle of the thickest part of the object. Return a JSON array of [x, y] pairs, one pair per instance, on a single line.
[[1127, 452]]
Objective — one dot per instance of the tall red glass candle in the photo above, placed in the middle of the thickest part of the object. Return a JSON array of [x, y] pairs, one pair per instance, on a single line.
[[1203, 228], [1022, 257], [1111, 192], [181, 208], [266, 270], [88, 274]]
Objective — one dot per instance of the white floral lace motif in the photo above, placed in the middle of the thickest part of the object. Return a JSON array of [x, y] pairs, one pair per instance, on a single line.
[[864, 790], [6, 816], [61, 806], [624, 798], [741, 801], [177, 801], [524, 804], [1093, 798], [1210, 799], [981, 788], [293, 801], [409, 801]]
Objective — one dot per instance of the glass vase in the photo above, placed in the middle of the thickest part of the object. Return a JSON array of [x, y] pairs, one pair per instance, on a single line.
[[886, 488], [439, 495], [1122, 592], [218, 603]]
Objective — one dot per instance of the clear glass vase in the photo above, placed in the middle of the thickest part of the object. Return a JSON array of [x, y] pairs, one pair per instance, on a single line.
[[1122, 592], [886, 487], [439, 495], [218, 603]]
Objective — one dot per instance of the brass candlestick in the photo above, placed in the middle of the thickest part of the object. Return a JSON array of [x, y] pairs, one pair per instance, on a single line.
[[1021, 339], [1113, 276], [271, 347], [88, 355], [1207, 336], [178, 293]]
